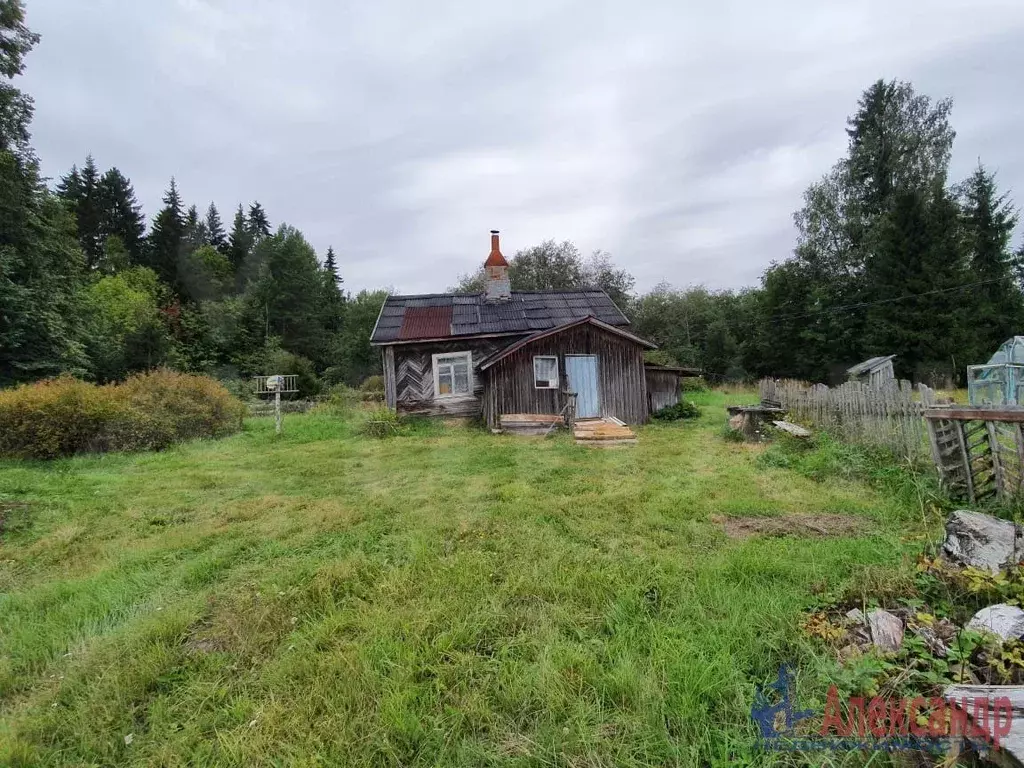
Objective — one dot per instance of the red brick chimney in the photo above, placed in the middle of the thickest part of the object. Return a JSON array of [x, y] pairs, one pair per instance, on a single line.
[[496, 269]]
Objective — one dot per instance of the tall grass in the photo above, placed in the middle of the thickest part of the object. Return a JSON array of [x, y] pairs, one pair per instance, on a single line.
[[443, 597], [823, 458]]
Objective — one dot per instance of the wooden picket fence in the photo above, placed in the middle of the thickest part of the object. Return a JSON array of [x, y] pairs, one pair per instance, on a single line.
[[889, 415], [977, 450]]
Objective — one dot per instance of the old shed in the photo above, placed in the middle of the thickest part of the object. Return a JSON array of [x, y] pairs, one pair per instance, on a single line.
[[665, 384], [873, 371]]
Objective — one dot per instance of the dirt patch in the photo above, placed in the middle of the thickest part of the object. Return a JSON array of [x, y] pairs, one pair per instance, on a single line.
[[823, 525]]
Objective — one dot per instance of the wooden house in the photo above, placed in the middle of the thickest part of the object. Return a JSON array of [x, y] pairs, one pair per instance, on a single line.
[[511, 352]]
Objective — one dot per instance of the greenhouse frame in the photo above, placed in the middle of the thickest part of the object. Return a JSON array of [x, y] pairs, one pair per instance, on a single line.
[[1000, 381]]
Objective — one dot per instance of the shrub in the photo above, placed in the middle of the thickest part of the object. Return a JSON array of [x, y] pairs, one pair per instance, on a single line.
[[731, 435], [243, 389], [684, 409], [189, 406], [278, 361], [57, 417], [695, 384], [64, 416], [660, 357], [333, 375], [380, 422], [373, 388], [340, 400]]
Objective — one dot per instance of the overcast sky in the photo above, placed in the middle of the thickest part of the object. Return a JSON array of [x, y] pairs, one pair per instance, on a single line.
[[677, 135]]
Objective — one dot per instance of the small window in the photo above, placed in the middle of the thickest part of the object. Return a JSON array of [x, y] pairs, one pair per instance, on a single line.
[[452, 374], [545, 372]]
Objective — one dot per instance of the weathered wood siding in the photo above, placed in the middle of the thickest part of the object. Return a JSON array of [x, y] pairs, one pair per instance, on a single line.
[[620, 370], [390, 395], [413, 376], [664, 388]]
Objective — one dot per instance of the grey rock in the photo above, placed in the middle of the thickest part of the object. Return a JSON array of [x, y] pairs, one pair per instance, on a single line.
[[1006, 621], [983, 541], [855, 614], [932, 641], [886, 630]]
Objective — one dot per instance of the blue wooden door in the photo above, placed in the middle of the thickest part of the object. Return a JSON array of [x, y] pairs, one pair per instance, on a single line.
[[581, 371]]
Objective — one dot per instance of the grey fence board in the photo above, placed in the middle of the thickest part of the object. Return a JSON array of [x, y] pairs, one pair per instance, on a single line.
[[887, 415]]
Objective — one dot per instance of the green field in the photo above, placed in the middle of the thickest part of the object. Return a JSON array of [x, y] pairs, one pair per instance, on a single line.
[[446, 597]]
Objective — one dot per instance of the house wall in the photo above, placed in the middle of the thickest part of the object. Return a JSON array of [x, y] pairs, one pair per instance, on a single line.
[[620, 370], [410, 370], [664, 388]]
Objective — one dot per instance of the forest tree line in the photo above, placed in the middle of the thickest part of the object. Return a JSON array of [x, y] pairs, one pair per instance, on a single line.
[[891, 258]]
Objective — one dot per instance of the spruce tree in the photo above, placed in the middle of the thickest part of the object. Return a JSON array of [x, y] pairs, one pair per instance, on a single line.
[[259, 224], [917, 272], [88, 214], [239, 241], [333, 295], [988, 220], [215, 234], [80, 190], [69, 188], [167, 239], [195, 230], [121, 214], [331, 265]]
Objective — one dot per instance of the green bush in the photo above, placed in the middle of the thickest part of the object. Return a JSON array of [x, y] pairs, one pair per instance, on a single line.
[[65, 416], [684, 409], [278, 361], [333, 374], [695, 384], [340, 400], [243, 389], [188, 406], [380, 422], [731, 435], [373, 388]]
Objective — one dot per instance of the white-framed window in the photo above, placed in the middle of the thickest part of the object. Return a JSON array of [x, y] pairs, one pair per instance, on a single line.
[[453, 374], [545, 372]]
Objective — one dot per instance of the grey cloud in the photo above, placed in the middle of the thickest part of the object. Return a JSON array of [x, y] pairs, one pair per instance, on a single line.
[[677, 136]]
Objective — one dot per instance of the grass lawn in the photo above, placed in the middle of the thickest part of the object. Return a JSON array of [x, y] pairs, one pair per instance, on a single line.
[[445, 598]]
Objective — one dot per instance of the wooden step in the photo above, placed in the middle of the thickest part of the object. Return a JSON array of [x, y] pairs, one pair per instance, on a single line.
[[605, 431]]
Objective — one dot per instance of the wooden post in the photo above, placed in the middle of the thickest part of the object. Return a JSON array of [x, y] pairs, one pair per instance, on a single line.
[[934, 441], [1018, 439], [968, 476], [277, 411], [997, 464]]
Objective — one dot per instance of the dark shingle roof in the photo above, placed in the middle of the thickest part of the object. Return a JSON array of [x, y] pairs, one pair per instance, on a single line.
[[410, 318]]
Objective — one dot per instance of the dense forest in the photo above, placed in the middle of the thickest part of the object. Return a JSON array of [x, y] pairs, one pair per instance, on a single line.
[[891, 258]]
